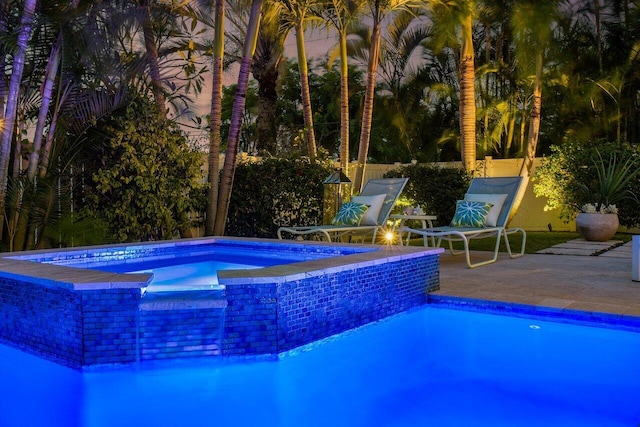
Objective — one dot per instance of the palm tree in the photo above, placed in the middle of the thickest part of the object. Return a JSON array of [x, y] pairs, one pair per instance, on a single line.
[[467, 93], [152, 56], [454, 25], [379, 10], [297, 14], [216, 119], [226, 181], [9, 115], [265, 65], [4, 53], [401, 83], [532, 30], [341, 15]]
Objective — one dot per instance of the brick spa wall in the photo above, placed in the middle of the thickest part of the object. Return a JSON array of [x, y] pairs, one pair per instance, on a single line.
[[177, 324], [271, 316], [82, 318], [88, 321]]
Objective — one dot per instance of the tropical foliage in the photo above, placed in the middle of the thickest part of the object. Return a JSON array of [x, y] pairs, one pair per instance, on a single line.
[[291, 193], [407, 80], [147, 181], [600, 173]]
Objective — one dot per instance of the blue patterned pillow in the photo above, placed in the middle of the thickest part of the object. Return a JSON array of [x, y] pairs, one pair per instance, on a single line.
[[350, 213], [471, 214]]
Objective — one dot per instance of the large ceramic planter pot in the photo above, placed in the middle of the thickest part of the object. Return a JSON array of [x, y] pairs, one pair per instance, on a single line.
[[597, 227]]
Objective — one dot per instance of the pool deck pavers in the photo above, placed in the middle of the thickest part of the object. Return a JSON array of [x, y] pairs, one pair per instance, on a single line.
[[568, 276]]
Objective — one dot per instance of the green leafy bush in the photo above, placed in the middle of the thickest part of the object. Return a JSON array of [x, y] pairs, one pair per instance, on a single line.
[[434, 188], [572, 176], [273, 193], [144, 179]]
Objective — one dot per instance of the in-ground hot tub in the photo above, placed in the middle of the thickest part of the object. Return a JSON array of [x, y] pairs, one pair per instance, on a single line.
[[99, 305]]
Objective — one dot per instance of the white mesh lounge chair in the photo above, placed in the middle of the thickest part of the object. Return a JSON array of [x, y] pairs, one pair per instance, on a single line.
[[498, 191], [390, 187]]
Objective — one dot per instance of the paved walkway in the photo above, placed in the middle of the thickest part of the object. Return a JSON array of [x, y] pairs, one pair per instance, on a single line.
[[562, 281], [610, 248]]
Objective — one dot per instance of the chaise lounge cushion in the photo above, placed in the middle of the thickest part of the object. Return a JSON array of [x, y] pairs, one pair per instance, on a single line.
[[471, 214]]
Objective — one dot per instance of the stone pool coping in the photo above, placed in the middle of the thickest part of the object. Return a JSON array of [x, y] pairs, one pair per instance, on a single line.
[[69, 278], [19, 266]]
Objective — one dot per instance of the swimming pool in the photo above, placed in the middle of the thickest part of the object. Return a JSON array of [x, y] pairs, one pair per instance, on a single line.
[[431, 366]]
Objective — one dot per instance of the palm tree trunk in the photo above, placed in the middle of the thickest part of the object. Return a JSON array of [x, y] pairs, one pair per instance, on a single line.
[[34, 157], [467, 99], [266, 126], [367, 110], [307, 112], [47, 91], [216, 121], [344, 105], [532, 137], [152, 58], [4, 12], [534, 120], [12, 100], [228, 170]]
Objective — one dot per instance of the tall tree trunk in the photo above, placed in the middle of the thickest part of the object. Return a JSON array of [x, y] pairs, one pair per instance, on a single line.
[[534, 120], [367, 110], [17, 70], [534, 131], [228, 170], [344, 105], [47, 93], [51, 73], [307, 112], [4, 12], [152, 58], [43, 165], [216, 121], [467, 98], [265, 70]]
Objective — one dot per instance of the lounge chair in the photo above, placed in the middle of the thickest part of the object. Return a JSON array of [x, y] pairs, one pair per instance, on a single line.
[[374, 219], [499, 193]]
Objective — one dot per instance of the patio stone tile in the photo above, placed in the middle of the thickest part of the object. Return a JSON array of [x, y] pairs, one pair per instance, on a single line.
[[587, 283], [556, 302]]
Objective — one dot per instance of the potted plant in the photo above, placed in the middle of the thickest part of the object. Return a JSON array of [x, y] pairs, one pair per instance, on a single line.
[[598, 220]]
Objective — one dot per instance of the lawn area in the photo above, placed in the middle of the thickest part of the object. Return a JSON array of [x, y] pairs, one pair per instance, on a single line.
[[536, 241]]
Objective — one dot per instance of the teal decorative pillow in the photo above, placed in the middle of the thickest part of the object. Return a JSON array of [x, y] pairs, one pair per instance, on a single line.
[[350, 213], [471, 214], [497, 200]]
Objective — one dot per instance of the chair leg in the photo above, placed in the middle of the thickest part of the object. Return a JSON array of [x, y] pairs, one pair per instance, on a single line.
[[508, 245], [489, 261]]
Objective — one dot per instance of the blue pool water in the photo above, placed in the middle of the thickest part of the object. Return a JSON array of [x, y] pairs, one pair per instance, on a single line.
[[430, 367]]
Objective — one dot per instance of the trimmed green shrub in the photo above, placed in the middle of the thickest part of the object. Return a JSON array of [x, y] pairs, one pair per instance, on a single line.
[[563, 176], [434, 188], [276, 192], [144, 178]]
